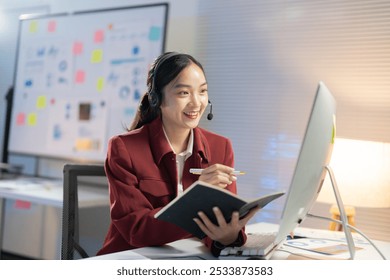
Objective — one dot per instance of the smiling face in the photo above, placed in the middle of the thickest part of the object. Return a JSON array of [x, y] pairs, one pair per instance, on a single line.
[[184, 100]]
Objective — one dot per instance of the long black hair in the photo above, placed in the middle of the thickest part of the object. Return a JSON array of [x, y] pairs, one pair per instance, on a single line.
[[164, 69]]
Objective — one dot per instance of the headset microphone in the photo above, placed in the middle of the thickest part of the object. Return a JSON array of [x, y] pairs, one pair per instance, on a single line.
[[210, 115]]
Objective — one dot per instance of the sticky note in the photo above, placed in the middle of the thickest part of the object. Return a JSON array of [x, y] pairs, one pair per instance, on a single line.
[[100, 84], [32, 119], [41, 52], [33, 26], [83, 144], [41, 102], [137, 95], [28, 83], [21, 119], [80, 77], [57, 133], [99, 36], [52, 26], [78, 48], [22, 204], [97, 56], [129, 111], [154, 33]]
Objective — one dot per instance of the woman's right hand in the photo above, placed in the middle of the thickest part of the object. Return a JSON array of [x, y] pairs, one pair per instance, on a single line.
[[218, 175]]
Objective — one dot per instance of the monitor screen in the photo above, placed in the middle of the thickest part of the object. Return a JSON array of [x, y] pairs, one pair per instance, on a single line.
[[79, 78], [314, 156]]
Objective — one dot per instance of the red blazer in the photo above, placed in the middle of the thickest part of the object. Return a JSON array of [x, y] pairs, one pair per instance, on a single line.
[[142, 175]]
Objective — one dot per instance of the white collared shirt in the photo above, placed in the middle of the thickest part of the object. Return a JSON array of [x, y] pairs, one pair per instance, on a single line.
[[181, 158]]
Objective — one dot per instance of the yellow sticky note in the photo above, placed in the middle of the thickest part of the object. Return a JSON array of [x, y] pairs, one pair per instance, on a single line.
[[32, 119], [100, 84], [41, 102], [97, 56], [33, 26]]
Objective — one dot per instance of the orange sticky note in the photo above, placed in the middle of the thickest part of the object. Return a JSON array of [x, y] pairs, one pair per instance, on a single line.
[[99, 36], [77, 48], [80, 77], [52, 26], [83, 144]]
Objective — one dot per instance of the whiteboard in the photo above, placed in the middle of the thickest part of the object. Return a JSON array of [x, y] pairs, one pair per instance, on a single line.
[[79, 78]]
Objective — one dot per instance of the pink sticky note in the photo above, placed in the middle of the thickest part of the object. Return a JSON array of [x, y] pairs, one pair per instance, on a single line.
[[99, 36], [77, 48], [21, 204], [80, 77], [21, 119], [52, 26]]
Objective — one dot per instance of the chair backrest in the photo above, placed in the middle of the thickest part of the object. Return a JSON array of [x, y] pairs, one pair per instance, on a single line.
[[70, 211]]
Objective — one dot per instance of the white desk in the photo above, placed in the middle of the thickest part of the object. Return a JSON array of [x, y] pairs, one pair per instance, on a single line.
[[194, 249], [40, 223], [49, 192]]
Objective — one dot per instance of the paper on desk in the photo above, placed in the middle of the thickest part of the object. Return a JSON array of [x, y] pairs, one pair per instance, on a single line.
[[190, 248], [124, 255], [319, 246]]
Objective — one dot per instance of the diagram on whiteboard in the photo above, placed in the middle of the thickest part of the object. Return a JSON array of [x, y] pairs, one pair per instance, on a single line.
[[80, 78]]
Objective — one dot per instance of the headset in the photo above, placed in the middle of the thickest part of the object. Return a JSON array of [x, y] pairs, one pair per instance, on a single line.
[[153, 96], [210, 114]]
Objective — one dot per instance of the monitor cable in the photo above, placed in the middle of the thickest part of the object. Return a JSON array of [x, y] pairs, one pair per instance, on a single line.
[[351, 227]]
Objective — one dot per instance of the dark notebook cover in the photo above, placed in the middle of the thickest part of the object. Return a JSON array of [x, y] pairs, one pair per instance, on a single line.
[[201, 196]]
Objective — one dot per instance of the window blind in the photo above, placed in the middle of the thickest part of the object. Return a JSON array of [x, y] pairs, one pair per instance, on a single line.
[[263, 61]]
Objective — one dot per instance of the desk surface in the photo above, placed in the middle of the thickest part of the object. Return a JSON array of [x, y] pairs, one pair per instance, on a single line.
[[49, 192], [194, 249]]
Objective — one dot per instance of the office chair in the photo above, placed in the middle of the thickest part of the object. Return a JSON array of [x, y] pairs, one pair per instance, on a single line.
[[70, 211]]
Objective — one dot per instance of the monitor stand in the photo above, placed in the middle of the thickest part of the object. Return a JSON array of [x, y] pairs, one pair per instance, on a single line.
[[343, 216]]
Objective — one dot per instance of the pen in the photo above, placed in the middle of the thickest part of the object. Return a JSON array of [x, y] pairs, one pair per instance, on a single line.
[[198, 171]]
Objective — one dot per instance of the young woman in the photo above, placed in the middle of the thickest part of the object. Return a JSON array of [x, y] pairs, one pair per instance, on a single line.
[[149, 165]]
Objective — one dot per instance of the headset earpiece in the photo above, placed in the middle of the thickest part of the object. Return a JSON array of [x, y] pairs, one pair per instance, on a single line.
[[153, 99], [154, 94]]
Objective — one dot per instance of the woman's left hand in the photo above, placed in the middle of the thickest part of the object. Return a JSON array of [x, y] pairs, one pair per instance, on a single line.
[[224, 233]]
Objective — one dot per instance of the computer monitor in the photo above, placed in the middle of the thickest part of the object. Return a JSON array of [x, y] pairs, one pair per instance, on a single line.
[[312, 167], [314, 156]]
